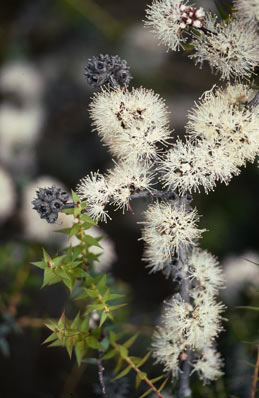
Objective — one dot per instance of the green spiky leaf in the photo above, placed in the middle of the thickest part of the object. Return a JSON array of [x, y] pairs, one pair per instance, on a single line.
[[80, 351], [130, 341], [123, 373]]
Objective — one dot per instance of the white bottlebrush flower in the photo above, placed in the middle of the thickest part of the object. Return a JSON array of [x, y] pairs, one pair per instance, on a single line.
[[208, 365], [223, 119], [158, 260], [205, 319], [170, 18], [190, 165], [166, 227], [247, 9], [204, 268], [186, 168], [94, 189], [166, 351], [126, 179], [231, 47], [139, 142], [130, 122], [7, 195], [194, 324], [186, 326]]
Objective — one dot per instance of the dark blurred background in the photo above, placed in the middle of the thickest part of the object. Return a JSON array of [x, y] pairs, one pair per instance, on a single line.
[[45, 137]]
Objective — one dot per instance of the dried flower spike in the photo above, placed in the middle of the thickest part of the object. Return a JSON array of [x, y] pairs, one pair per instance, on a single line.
[[49, 202], [107, 69]]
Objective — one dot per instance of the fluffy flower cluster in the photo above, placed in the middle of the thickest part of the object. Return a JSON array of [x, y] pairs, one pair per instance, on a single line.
[[223, 136], [247, 9], [170, 18], [115, 188], [208, 364], [130, 123], [223, 119], [94, 189], [231, 47], [192, 164], [125, 179], [193, 325], [166, 227], [204, 270]]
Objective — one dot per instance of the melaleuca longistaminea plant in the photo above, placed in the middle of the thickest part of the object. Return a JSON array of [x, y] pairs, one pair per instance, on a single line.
[[222, 135]]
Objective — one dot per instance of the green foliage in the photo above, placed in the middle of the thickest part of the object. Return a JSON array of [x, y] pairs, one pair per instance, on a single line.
[[126, 362], [93, 328], [76, 334]]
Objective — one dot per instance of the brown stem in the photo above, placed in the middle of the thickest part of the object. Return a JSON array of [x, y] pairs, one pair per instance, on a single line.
[[134, 367], [100, 299], [100, 374], [84, 252], [255, 375]]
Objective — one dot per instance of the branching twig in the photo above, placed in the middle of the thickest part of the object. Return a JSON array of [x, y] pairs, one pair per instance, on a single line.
[[184, 380], [136, 369]]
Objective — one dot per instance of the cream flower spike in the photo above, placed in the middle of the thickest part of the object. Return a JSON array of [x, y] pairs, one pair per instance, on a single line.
[[223, 118], [170, 18], [94, 189], [247, 9], [231, 48], [190, 166], [208, 365], [126, 179], [166, 227], [204, 269], [130, 122]]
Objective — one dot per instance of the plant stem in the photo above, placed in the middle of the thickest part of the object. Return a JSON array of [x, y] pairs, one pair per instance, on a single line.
[[155, 193], [184, 379], [184, 383], [136, 369], [100, 374]]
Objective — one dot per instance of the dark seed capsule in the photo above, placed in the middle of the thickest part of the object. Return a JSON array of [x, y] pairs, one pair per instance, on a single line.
[[49, 202], [107, 69], [56, 205], [52, 217]]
